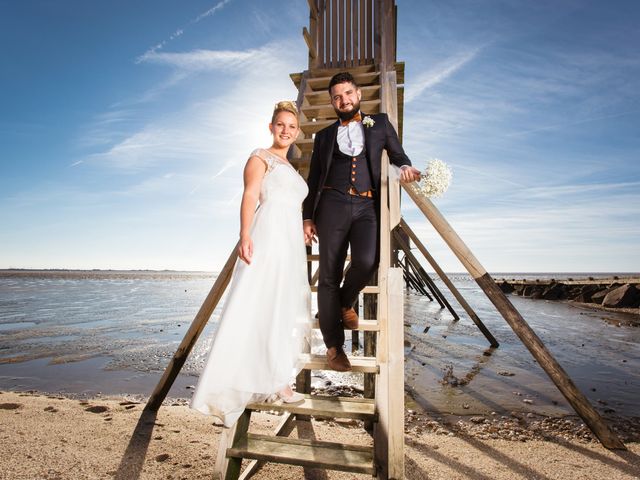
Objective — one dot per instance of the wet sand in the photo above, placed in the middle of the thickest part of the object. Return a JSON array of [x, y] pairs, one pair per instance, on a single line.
[[53, 437]]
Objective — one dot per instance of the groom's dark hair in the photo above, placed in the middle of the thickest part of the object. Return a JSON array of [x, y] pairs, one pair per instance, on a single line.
[[342, 77]]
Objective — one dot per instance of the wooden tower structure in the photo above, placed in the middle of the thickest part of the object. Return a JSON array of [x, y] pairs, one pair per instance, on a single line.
[[359, 36]]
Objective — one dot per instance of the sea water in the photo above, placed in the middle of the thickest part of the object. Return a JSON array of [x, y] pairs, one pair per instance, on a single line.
[[115, 332]]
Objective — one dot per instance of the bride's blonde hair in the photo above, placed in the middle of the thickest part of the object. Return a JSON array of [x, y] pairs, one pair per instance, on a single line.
[[284, 106]]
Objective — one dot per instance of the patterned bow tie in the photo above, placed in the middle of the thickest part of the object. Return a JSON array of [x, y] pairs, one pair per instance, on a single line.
[[356, 118]]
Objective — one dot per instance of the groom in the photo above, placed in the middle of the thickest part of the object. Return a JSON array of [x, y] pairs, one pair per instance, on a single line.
[[342, 207]]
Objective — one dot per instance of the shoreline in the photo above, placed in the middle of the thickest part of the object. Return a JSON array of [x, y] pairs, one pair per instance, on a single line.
[[50, 436], [507, 425]]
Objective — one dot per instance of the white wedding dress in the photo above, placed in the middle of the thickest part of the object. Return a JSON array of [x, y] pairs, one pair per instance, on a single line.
[[266, 318]]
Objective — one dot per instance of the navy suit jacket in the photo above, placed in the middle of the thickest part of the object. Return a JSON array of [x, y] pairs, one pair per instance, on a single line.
[[380, 136]]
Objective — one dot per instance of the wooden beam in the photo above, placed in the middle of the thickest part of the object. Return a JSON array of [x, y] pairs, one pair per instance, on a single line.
[[521, 328], [309, 41], [313, 9], [452, 288], [190, 338]]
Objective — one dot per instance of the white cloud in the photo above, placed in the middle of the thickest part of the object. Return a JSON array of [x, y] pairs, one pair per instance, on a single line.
[[202, 60], [224, 121], [211, 11], [180, 31], [438, 74]]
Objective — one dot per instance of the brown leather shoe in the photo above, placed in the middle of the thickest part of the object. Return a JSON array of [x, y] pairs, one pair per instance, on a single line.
[[337, 360], [349, 318]]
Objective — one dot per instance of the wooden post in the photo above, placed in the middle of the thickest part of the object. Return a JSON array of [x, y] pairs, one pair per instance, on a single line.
[[314, 59], [452, 288], [313, 54], [383, 427], [334, 33], [396, 374], [348, 62], [411, 281], [355, 334], [229, 468], [413, 261], [370, 311], [354, 33], [321, 34], [190, 338], [418, 280], [437, 293], [524, 332]]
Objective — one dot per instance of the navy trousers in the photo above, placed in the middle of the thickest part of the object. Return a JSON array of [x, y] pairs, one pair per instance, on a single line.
[[343, 221]]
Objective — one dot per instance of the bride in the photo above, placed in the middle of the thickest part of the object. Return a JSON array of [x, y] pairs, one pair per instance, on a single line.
[[266, 317]]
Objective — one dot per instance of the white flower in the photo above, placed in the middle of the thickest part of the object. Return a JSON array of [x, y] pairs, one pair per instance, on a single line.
[[368, 121], [435, 180]]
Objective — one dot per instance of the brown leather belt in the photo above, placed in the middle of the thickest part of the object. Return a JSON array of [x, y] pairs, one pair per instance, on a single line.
[[353, 191]]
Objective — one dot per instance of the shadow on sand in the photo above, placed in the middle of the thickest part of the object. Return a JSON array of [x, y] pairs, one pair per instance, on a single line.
[[133, 459]]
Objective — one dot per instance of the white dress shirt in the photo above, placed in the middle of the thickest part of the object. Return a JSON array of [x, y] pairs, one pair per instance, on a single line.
[[351, 138]]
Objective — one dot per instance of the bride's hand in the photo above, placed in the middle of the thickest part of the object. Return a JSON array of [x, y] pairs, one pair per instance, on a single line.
[[245, 250]]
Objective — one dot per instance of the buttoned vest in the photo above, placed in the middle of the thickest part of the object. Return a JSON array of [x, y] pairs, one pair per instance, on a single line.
[[347, 171]]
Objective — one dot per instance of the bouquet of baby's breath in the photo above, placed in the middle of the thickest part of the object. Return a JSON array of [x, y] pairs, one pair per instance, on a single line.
[[435, 179]]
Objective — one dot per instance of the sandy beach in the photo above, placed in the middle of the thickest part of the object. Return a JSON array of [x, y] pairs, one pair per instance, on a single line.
[[53, 437]]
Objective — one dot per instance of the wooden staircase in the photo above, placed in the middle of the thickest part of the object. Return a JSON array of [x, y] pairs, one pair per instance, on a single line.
[[383, 415]]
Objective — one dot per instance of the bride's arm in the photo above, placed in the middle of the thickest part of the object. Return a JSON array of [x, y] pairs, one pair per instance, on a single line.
[[254, 172]]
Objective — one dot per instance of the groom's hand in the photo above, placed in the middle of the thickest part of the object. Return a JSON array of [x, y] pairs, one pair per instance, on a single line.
[[310, 232], [409, 174]]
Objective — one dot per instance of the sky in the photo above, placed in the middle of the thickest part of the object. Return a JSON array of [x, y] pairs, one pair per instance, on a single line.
[[124, 127]]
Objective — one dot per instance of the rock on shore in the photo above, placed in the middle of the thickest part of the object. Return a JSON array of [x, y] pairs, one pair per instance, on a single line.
[[608, 294]]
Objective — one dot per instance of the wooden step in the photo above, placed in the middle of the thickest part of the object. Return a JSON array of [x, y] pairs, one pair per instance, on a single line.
[[358, 364], [362, 79], [371, 92], [306, 453], [321, 77], [327, 111], [371, 77], [330, 72], [314, 127], [363, 325], [305, 145], [367, 289], [324, 406]]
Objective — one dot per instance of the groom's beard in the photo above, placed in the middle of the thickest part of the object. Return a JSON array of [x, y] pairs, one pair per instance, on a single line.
[[346, 116]]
